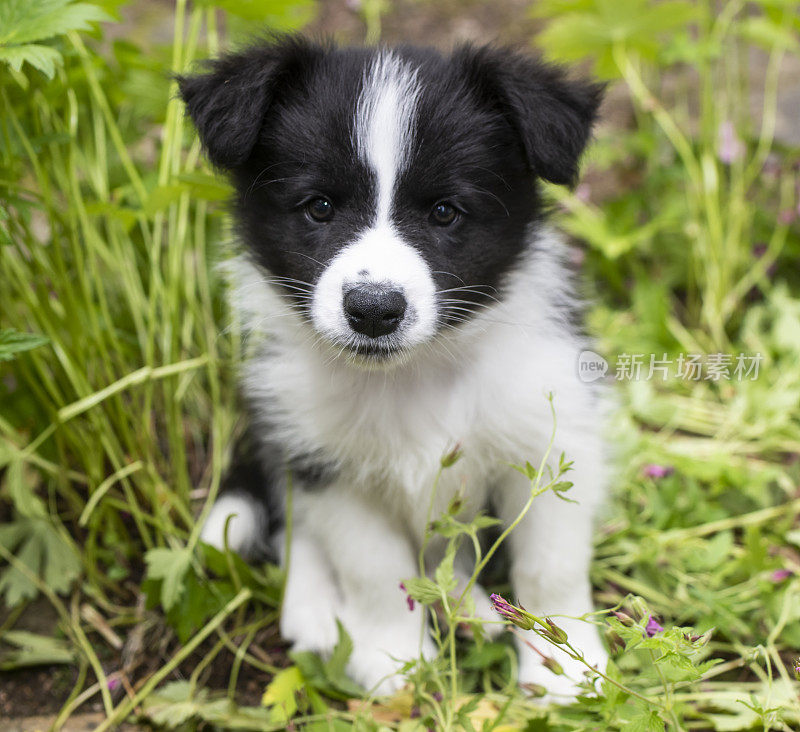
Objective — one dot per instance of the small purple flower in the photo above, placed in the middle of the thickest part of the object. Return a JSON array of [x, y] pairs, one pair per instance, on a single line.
[[730, 147], [786, 217], [505, 608], [658, 471], [796, 669], [113, 683], [780, 575], [416, 713], [437, 695], [409, 599], [652, 627]]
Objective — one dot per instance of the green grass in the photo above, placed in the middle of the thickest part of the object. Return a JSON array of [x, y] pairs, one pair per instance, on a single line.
[[117, 397]]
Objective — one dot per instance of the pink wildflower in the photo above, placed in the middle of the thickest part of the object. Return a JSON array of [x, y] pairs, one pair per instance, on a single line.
[[409, 599], [658, 471], [730, 147], [652, 627], [779, 575]]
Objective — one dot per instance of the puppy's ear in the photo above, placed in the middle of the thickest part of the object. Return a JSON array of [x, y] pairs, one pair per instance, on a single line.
[[553, 115], [227, 103]]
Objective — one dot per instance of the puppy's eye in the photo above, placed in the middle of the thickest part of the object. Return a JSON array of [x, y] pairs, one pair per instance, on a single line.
[[443, 214], [320, 209]]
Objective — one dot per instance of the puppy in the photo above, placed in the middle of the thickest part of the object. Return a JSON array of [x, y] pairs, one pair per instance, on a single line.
[[405, 295]]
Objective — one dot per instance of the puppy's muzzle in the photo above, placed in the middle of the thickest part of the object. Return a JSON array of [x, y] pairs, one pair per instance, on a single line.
[[374, 310]]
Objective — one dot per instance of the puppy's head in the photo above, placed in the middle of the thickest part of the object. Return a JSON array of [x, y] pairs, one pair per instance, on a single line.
[[384, 192]]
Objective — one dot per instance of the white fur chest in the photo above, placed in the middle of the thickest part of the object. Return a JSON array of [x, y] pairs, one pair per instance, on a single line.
[[385, 430]]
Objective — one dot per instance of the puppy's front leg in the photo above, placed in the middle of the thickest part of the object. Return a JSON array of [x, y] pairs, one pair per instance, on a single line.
[[551, 550], [368, 556]]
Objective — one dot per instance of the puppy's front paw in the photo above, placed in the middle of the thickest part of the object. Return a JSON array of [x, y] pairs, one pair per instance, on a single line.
[[308, 619], [379, 654], [309, 628], [562, 688]]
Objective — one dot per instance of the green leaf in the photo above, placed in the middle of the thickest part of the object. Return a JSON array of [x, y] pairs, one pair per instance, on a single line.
[[12, 342], [274, 14], [205, 186], [32, 649], [280, 693], [485, 656], [200, 601], [527, 470], [223, 714], [25, 22], [169, 566], [21, 490], [329, 677], [423, 590], [43, 58], [174, 704], [594, 29], [647, 721], [341, 653], [445, 574], [763, 32], [37, 545]]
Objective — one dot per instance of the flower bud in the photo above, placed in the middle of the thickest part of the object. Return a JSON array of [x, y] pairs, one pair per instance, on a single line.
[[639, 608], [551, 664], [452, 457], [536, 690], [615, 643], [512, 613], [553, 633], [623, 618]]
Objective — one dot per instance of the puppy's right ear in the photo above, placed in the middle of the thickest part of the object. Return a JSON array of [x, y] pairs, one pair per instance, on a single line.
[[227, 104]]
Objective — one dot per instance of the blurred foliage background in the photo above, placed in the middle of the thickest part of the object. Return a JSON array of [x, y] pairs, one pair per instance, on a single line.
[[117, 359]]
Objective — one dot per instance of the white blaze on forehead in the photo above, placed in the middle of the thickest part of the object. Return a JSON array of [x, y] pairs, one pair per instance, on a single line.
[[385, 123], [384, 131]]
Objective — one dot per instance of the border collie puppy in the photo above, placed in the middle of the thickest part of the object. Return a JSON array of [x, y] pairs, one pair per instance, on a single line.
[[405, 296]]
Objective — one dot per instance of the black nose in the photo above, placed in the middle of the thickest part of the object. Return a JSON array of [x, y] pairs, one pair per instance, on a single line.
[[374, 311]]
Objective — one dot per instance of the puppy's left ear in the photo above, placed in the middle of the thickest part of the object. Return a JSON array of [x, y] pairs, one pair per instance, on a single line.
[[552, 114]]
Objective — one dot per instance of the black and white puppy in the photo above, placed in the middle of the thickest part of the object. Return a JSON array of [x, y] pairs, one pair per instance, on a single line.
[[406, 296]]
